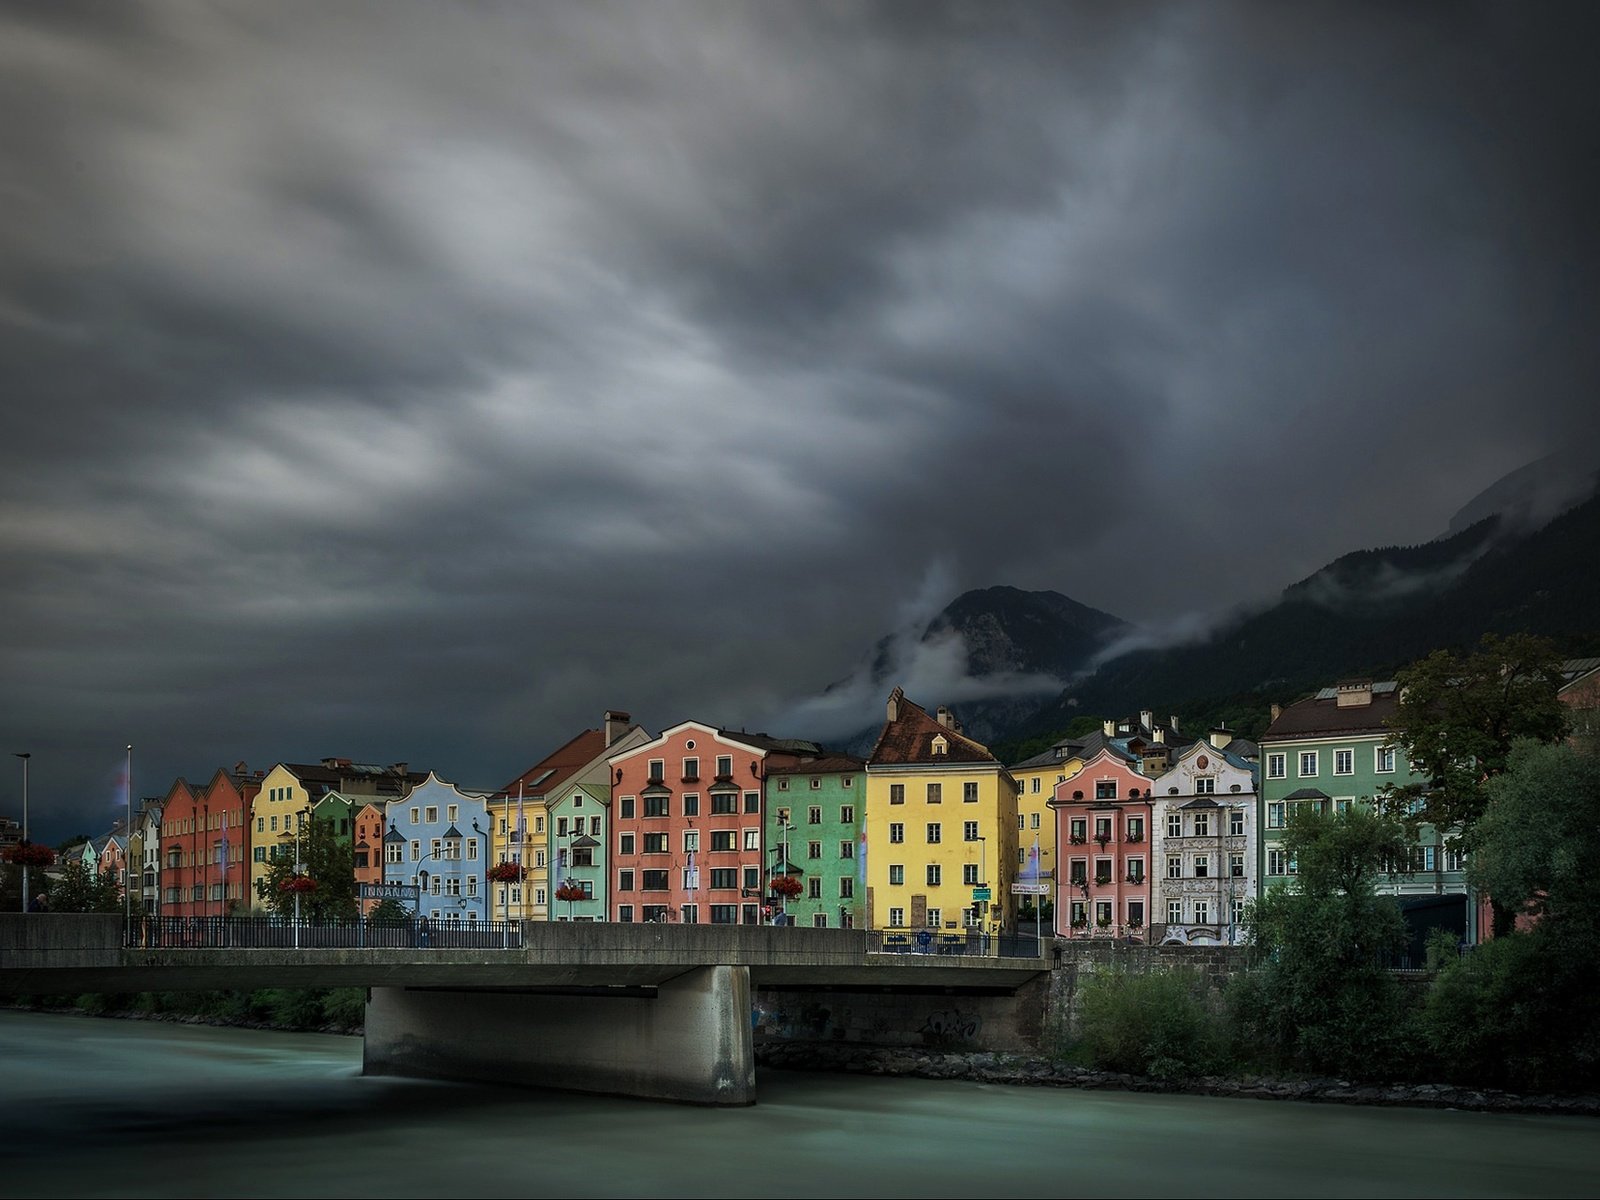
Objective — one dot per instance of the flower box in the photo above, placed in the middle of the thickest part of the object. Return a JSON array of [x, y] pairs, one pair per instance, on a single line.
[[298, 884], [570, 893], [786, 885], [507, 872], [30, 854]]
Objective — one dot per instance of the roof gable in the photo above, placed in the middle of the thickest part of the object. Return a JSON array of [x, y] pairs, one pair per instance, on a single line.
[[909, 737]]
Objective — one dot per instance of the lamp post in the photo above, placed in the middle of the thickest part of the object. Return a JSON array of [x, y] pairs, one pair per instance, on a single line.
[[24, 756], [299, 821], [981, 906], [784, 830]]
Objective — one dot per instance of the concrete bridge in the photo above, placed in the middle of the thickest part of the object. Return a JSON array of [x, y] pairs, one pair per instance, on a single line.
[[661, 1011]]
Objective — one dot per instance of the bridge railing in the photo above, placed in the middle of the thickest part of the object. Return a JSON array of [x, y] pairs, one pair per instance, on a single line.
[[963, 944], [266, 933]]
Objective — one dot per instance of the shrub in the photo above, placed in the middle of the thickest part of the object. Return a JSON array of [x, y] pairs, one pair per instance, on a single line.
[[345, 1008], [1156, 1024]]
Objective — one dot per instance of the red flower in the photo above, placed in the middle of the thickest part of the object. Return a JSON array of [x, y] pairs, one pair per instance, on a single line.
[[507, 872], [298, 883], [570, 892], [30, 854], [785, 885]]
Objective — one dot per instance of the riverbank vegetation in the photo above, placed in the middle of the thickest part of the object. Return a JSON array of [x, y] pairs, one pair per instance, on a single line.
[[317, 1010]]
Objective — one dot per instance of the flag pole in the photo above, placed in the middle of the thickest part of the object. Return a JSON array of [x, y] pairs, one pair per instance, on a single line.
[[127, 876]]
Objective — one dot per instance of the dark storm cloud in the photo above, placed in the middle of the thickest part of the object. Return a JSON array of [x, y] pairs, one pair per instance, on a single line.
[[413, 381]]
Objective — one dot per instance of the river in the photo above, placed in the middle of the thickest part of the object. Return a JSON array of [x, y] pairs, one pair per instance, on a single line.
[[124, 1108]]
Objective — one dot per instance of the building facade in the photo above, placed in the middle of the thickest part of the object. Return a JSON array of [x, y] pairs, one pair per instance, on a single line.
[[1203, 860], [815, 820], [443, 844], [941, 828], [1103, 818], [1333, 750]]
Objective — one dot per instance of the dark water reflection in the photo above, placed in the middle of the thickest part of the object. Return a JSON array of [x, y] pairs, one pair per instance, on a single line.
[[114, 1108]]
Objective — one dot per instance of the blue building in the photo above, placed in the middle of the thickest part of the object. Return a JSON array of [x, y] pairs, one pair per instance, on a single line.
[[438, 840]]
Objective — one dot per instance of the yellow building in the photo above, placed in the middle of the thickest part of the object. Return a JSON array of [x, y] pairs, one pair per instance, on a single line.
[[289, 791], [1036, 783], [941, 824]]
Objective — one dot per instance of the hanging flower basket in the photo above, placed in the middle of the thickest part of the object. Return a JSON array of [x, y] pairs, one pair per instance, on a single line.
[[30, 854], [786, 886], [507, 872], [570, 892], [298, 883]]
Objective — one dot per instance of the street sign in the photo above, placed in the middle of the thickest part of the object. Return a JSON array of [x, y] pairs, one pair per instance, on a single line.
[[979, 894], [1030, 889], [388, 891]]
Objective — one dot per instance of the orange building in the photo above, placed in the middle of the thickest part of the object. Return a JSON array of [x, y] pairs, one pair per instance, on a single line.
[[205, 845]]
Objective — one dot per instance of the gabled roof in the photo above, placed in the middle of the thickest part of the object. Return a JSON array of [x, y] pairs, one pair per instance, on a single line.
[[555, 768], [826, 764], [908, 739], [1322, 715]]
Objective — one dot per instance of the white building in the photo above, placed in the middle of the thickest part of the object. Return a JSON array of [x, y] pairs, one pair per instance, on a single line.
[[1203, 851]]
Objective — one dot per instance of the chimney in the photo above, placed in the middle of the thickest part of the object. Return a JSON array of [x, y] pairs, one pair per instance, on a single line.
[[1109, 726], [1173, 721], [1277, 711], [1354, 693], [1147, 718], [1160, 736], [894, 704], [1220, 737], [399, 768], [945, 717], [616, 723]]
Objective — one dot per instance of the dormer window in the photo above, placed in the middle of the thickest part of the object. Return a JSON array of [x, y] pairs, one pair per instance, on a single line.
[[941, 744]]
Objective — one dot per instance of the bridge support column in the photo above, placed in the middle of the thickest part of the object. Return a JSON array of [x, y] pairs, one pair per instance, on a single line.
[[690, 1041]]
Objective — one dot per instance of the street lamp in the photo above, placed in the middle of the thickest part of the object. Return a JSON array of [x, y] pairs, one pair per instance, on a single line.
[[979, 906], [24, 757], [784, 830], [298, 823]]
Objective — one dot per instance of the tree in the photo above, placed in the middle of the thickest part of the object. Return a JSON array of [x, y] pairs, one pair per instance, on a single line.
[[1519, 1011], [388, 912], [323, 858], [1321, 997], [1458, 717], [79, 890]]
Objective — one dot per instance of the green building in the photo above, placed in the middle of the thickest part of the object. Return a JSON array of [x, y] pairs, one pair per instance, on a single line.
[[815, 813], [1332, 751]]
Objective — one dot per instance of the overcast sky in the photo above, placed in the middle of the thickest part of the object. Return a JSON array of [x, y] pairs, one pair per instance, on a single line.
[[416, 381]]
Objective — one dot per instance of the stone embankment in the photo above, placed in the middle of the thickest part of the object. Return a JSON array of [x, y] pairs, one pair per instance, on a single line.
[[1044, 1072]]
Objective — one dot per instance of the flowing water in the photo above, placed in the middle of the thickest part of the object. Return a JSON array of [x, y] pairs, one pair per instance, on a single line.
[[123, 1108]]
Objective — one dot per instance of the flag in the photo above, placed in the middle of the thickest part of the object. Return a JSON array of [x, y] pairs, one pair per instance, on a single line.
[[861, 860], [691, 876], [522, 825], [1033, 862], [224, 841]]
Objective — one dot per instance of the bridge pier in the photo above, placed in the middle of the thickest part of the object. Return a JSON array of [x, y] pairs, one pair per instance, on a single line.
[[687, 1039]]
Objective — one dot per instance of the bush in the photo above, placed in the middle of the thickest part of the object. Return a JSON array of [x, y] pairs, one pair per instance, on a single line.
[[1155, 1024], [345, 1008]]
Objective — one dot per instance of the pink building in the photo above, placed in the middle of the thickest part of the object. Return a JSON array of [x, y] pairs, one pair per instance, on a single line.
[[1103, 834], [687, 818]]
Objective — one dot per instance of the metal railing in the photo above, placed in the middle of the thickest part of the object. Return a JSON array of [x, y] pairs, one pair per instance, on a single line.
[[269, 933], [963, 944]]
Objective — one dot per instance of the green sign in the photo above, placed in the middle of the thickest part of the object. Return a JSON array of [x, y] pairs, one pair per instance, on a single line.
[[979, 893]]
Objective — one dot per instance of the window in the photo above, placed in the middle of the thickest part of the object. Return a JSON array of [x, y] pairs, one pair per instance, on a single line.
[[934, 874], [691, 840], [935, 833], [431, 817], [1135, 829], [561, 827], [1383, 760], [1033, 820], [1277, 766], [969, 831], [1105, 789], [691, 914], [416, 851], [1238, 910], [1035, 785], [1174, 912], [935, 793], [814, 815], [1454, 859], [1136, 912], [625, 881], [897, 794], [847, 849], [261, 824], [897, 875], [1174, 824], [1202, 866], [847, 814], [816, 784], [1202, 824], [722, 840], [1078, 871], [1102, 870], [783, 785], [969, 873], [454, 813], [845, 781], [751, 878], [1079, 830], [655, 881], [1277, 861], [897, 918], [752, 839], [275, 820], [819, 920], [657, 769], [538, 858], [656, 806], [1236, 822], [724, 914], [1102, 830], [897, 833], [1205, 785], [935, 918], [752, 802], [969, 792], [627, 808], [655, 843], [691, 806], [691, 769], [723, 804], [724, 877], [1136, 870], [813, 849], [724, 766], [1236, 864], [813, 888], [1019, 821], [625, 844], [1275, 815], [1308, 763], [1344, 762], [1174, 866]]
